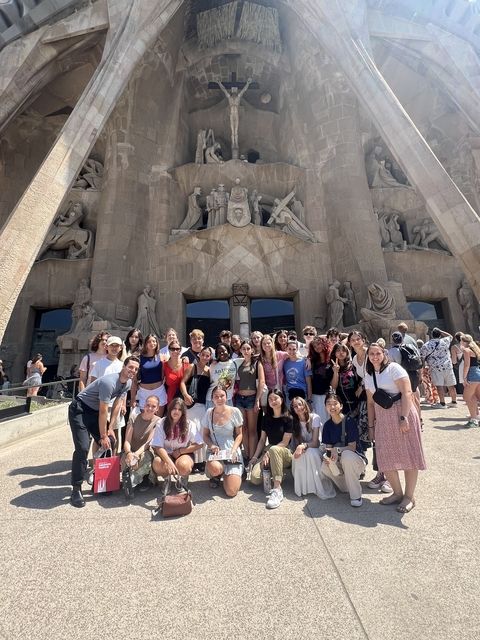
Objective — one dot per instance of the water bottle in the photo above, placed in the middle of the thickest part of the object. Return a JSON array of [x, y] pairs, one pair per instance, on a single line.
[[267, 480]]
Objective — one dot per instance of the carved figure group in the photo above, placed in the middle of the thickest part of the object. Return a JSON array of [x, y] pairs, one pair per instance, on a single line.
[[469, 305], [91, 176], [390, 233], [205, 144], [287, 221], [425, 233], [335, 305], [383, 172], [380, 305], [67, 236]]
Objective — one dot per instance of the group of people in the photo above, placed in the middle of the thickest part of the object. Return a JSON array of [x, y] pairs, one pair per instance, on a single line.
[[251, 409]]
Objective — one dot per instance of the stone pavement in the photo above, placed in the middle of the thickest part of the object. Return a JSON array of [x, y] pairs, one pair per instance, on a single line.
[[309, 569]]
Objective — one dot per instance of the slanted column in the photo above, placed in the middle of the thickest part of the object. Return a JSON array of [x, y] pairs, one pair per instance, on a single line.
[[454, 217]]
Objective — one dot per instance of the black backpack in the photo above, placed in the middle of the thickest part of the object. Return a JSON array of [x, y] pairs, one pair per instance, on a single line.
[[411, 360]]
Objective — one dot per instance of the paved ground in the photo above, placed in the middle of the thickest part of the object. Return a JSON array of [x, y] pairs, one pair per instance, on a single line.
[[309, 569]]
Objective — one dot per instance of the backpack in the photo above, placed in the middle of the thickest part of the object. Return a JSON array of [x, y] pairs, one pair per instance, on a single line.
[[411, 360]]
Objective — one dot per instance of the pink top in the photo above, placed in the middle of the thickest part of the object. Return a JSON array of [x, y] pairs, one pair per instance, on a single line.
[[271, 380]]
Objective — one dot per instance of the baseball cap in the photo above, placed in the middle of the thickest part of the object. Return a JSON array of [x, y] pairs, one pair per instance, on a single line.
[[114, 340]]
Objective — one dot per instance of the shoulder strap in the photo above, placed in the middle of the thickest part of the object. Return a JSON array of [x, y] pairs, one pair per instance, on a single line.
[[375, 381], [342, 439]]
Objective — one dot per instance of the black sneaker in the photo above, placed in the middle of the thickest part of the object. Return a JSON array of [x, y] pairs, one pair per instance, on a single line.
[[127, 483], [145, 485]]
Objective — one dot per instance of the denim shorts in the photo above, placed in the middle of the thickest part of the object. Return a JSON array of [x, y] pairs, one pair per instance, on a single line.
[[473, 374], [245, 402]]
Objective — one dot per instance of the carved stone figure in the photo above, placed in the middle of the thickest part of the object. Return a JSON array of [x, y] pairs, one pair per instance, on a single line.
[[378, 173], [287, 221], [425, 233], [66, 235], [204, 140], [83, 297], [350, 308], [85, 320], [211, 208], [380, 305], [146, 320], [221, 204], [238, 211], [335, 305], [213, 154], [469, 306], [91, 176], [234, 98], [255, 207], [390, 232], [193, 219], [298, 209]]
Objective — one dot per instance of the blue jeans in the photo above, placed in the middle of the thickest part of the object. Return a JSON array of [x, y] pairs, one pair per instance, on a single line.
[[245, 402]]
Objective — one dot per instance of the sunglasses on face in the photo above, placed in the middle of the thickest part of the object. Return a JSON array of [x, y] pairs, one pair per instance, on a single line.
[[308, 333], [174, 349]]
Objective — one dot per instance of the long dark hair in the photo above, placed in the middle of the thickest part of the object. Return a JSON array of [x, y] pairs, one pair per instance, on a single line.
[[168, 426], [96, 341], [144, 349], [284, 409], [348, 360], [140, 340], [369, 368], [297, 428]]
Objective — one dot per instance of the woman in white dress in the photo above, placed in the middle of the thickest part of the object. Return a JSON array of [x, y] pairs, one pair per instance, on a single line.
[[307, 454]]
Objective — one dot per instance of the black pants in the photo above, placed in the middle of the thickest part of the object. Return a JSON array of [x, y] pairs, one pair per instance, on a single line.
[[84, 424]]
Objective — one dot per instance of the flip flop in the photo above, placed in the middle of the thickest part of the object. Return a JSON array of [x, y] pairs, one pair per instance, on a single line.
[[407, 507], [393, 499]]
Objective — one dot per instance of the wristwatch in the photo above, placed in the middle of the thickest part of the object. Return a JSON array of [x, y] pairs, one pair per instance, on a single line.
[[403, 418]]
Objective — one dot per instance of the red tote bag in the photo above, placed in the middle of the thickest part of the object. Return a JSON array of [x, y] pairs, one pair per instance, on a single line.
[[107, 474]]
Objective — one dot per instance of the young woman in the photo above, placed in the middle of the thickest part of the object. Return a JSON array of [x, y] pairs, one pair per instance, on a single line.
[[345, 381], [222, 430], [150, 376], [223, 372], [396, 430], [471, 377], [34, 375], [133, 343], [170, 336], [272, 361], [194, 388], [174, 442], [277, 428], [255, 339], [343, 452], [251, 383], [307, 456], [281, 341], [174, 370], [319, 352], [98, 350]]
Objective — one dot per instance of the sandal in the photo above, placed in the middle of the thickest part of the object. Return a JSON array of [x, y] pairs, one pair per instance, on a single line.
[[406, 505], [395, 498]]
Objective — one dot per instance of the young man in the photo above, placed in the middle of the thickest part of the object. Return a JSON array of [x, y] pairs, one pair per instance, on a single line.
[[298, 379], [88, 417], [197, 338], [110, 363]]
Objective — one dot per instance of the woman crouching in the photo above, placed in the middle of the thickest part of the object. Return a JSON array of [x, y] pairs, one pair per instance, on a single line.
[[174, 442]]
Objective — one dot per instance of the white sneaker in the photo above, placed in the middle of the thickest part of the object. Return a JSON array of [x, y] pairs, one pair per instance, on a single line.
[[356, 503], [275, 498], [377, 481], [386, 487]]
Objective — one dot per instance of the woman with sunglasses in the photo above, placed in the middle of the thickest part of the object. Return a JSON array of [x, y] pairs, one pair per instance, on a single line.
[[174, 370]]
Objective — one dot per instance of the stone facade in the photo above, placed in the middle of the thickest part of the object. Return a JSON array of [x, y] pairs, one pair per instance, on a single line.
[[374, 135]]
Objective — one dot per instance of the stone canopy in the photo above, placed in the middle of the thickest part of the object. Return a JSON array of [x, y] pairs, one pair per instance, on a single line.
[[284, 144]]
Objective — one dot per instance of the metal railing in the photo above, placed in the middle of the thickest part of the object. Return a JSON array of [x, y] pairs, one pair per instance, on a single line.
[[60, 390]]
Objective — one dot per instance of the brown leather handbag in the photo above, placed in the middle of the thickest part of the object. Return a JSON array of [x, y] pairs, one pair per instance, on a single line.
[[176, 504]]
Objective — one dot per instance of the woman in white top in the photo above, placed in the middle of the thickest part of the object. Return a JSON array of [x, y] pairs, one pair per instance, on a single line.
[[174, 442], [307, 453], [98, 350], [223, 371]]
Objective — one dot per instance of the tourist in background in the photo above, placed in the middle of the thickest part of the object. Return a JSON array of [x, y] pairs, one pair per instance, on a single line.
[[471, 377], [34, 375], [436, 353]]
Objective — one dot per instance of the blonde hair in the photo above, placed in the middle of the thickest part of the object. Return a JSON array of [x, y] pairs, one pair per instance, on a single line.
[[471, 344]]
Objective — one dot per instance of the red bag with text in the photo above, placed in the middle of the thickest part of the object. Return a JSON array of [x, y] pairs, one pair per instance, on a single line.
[[106, 473]]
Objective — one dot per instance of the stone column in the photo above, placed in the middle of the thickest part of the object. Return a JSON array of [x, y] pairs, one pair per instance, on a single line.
[[239, 311], [455, 218], [29, 222]]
